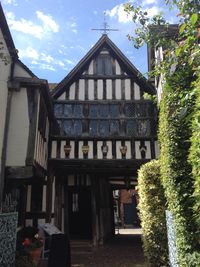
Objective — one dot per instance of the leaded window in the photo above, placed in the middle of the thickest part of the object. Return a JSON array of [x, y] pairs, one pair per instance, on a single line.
[[131, 128], [58, 110], [93, 111], [103, 128], [77, 128], [103, 111], [114, 111], [93, 128], [67, 127], [140, 110], [143, 128], [67, 110], [129, 110], [78, 111], [114, 127]]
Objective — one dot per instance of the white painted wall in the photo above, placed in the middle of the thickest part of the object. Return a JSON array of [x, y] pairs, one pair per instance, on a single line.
[[91, 89], [81, 93], [128, 89], [136, 91], [100, 89], [72, 92], [4, 74], [108, 89], [21, 72], [18, 129], [118, 92], [91, 68], [117, 66]]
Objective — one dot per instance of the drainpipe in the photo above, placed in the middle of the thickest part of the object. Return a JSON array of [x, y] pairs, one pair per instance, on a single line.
[[5, 137]]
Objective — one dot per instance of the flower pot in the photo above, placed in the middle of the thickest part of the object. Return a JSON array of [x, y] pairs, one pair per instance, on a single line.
[[36, 255]]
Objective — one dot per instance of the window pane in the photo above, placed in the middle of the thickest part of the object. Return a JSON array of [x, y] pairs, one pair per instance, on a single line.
[[67, 110], [93, 111], [100, 65], [78, 111], [67, 127], [140, 110], [58, 110], [129, 110], [103, 128], [114, 127], [103, 111], [114, 111], [104, 65], [107, 65], [143, 128], [93, 128], [131, 128], [77, 128]]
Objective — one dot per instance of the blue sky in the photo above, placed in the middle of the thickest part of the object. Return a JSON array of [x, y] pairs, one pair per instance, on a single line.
[[53, 35]]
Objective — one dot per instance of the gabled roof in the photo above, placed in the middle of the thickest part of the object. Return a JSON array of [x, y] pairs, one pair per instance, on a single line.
[[9, 41], [104, 41]]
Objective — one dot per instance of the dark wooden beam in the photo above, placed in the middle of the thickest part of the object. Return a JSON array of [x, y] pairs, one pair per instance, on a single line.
[[25, 172], [50, 179]]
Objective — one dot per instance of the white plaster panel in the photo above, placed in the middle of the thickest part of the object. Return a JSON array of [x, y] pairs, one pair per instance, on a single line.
[[19, 71], [91, 68], [108, 89], [99, 151], [80, 153], [44, 198], [118, 69], [118, 89], [148, 151], [137, 150], [90, 153], [72, 91], [70, 180], [128, 153], [100, 89], [109, 144], [18, 130], [81, 93], [28, 201], [136, 91], [157, 149], [118, 152], [128, 89], [91, 89], [54, 149], [62, 152], [62, 97], [29, 222], [71, 155], [41, 221]]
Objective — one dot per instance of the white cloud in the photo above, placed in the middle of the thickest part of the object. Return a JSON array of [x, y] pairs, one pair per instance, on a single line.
[[149, 2], [10, 2], [28, 27], [46, 58], [29, 52], [48, 23], [60, 63], [119, 13], [72, 25], [153, 11], [69, 62]]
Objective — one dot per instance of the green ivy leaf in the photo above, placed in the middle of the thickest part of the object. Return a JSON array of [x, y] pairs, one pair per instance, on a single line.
[[182, 28], [194, 18]]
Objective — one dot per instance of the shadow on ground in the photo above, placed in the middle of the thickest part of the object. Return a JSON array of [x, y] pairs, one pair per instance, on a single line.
[[124, 250]]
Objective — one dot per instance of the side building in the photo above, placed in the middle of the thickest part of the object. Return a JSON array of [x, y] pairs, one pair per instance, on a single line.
[[26, 120]]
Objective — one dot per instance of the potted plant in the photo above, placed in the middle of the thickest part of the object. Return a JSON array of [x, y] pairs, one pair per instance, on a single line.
[[30, 245]]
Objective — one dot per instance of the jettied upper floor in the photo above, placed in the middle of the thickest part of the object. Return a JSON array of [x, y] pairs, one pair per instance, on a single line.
[[106, 124]]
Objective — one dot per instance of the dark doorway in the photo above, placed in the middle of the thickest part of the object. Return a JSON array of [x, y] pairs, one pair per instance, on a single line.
[[79, 208]]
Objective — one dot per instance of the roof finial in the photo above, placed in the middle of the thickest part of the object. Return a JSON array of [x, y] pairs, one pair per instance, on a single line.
[[105, 28]]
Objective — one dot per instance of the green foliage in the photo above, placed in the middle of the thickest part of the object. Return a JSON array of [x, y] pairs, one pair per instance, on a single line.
[[195, 153], [152, 214]]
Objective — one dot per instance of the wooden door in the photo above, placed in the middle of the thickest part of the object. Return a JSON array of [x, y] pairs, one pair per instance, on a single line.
[[79, 208]]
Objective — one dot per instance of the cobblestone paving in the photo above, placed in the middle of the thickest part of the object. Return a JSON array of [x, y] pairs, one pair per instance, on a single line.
[[124, 250]]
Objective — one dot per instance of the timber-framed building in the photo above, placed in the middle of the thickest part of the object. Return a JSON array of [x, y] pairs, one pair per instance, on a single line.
[[86, 139]]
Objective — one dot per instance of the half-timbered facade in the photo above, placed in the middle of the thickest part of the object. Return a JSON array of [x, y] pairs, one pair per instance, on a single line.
[[26, 119], [108, 130]]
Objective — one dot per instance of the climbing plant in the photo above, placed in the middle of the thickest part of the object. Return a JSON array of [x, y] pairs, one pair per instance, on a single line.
[[179, 118], [152, 214]]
